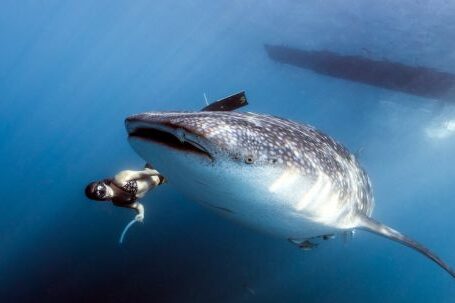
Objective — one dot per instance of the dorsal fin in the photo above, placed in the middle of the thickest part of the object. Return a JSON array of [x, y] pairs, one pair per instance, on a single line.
[[376, 227], [230, 103]]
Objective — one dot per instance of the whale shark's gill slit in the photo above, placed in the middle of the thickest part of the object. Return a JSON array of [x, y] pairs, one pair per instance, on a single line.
[[170, 140]]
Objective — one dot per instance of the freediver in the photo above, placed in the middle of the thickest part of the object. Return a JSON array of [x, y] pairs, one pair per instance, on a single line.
[[126, 188]]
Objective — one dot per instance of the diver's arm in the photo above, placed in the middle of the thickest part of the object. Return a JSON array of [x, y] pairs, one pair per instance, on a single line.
[[137, 206], [140, 211], [128, 175]]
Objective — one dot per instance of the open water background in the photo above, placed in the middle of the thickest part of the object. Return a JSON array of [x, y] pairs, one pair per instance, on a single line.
[[71, 71]]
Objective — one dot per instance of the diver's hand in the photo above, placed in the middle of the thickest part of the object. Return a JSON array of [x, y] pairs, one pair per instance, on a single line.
[[139, 218], [140, 211]]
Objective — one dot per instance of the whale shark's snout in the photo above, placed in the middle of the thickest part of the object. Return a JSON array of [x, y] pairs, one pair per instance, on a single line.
[[169, 130], [215, 135]]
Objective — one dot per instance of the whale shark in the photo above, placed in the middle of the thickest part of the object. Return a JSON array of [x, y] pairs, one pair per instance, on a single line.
[[419, 81], [281, 177]]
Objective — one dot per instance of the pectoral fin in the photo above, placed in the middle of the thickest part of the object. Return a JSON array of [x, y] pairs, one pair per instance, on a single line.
[[304, 244]]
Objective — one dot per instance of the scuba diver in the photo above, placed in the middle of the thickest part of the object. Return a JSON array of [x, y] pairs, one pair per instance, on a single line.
[[126, 188]]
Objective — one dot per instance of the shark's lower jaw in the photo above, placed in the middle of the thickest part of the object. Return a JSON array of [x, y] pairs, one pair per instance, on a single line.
[[172, 138]]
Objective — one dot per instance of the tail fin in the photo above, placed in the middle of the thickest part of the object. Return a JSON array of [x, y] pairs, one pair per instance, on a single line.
[[374, 226]]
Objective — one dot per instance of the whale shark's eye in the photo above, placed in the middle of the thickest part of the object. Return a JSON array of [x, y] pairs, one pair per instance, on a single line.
[[249, 159]]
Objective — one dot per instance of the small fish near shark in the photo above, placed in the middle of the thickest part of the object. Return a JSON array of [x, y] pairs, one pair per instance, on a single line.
[[278, 176]]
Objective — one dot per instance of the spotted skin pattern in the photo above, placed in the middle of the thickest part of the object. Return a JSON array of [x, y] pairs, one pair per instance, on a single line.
[[259, 139]]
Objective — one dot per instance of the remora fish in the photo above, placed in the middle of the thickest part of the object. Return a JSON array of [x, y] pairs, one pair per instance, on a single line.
[[275, 175]]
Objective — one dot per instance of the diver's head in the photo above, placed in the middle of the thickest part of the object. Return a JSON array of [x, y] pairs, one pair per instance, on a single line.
[[98, 191]]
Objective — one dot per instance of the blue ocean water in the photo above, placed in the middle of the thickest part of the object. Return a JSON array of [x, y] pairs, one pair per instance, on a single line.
[[71, 71]]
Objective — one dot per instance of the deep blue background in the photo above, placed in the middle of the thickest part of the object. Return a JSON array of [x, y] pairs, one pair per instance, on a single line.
[[71, 71]]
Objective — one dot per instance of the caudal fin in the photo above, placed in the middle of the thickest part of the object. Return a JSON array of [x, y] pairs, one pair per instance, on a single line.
[[374, 226]]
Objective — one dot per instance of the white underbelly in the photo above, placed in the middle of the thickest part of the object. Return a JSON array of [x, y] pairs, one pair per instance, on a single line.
[[249, 206], [265, 199], [247, 201]]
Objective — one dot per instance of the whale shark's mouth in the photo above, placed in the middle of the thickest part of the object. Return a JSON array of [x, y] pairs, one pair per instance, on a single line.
[[170, 139]]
